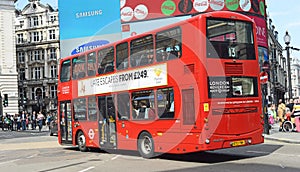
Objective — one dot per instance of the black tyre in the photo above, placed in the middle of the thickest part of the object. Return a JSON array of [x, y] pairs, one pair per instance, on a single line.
[[146, 145], [81, 141], [287, 126]]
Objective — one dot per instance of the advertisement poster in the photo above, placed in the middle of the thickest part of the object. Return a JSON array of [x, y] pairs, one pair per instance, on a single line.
[[87, 24]]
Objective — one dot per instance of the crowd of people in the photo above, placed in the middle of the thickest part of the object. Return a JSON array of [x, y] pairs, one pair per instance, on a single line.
[[25, 121], [282, 112]]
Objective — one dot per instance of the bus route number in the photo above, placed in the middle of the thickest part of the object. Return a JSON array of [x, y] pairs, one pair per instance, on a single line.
[[231, 52], [140, 74]]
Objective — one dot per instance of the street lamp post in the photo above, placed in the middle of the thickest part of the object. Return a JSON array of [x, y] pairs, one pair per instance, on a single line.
[[287, 40]]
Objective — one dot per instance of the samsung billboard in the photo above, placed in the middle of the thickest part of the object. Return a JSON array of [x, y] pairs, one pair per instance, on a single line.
[[86, 24]]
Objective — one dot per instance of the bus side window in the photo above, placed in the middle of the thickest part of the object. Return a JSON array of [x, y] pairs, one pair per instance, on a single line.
[[168, 43], [141, 49], [80, 109], [92, 109], [143, 105], [165, 103], [91, 64], [122, 56], [123, 100], [106, 60], [65, 71]]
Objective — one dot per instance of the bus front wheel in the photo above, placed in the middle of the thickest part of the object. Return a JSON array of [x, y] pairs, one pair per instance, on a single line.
[[146, 145], [81, 142]]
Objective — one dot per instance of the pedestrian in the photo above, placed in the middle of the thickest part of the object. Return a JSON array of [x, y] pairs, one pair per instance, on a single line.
[[40, 118], [12, 121], [33, 120], [23, 120], [296, 114], [290, 105], [272, 114], [18, 122], [48, 120], [281, 113]]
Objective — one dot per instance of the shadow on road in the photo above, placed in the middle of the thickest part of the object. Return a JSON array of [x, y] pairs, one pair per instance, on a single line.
[[217, 156]]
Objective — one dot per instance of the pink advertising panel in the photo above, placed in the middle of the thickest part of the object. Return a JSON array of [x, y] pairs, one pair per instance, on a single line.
[[135, 10], [261, 32]]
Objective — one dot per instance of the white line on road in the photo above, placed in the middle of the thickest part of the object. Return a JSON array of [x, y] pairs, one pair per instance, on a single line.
[[11, 161], [87, 169], [115, 157]]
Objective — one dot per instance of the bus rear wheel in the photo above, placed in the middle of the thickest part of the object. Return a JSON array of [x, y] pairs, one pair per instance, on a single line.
[[146, 145], [81, 142]]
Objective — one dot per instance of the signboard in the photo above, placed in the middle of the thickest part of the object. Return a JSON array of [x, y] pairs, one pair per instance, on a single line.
[[133, 10], [263, 77], [132, 79], [87, 22], [261, 31]]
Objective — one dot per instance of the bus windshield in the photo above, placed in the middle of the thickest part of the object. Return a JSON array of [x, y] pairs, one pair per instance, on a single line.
[[230, 39]]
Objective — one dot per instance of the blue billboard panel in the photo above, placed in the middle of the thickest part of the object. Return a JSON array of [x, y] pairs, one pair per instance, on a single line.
[[88, 22]]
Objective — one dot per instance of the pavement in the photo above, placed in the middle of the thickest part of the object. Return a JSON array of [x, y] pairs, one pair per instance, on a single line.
[[287, 137]]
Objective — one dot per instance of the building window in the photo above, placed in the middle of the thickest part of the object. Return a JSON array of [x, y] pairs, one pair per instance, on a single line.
[[21, 23], [36, 73], [37, 55], [51, 34], [29, 53], [21, 57], [20, 38], [41, 17], [36, 36], [35, 21], [53, 91], [22, 74], [52, 18], [33, 94], [53, 71], [41, 35], [52, 53]]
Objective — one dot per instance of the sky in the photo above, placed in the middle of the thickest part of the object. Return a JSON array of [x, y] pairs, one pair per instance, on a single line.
[[284, 14], [22, 3], [285, 17]]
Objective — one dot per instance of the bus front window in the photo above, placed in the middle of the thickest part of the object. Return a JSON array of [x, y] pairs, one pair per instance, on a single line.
[[230, 39]]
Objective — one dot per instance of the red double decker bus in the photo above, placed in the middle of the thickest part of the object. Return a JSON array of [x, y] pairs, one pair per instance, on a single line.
[[187, 87]]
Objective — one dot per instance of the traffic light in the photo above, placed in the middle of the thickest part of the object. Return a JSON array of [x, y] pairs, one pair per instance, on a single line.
[[5, 100], [24, 100]]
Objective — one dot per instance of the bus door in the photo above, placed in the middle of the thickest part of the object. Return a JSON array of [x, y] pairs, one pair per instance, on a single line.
[[65, 122], [107, 122]]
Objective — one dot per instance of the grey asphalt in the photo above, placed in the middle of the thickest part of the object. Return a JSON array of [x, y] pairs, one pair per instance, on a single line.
[[287, 137]]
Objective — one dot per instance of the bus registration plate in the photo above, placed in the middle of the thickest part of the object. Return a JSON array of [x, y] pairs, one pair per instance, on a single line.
[[238, 143]]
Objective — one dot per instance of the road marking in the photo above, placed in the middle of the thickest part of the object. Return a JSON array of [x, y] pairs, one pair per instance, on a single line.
[[31, 156], [11, 161], [115, 157], [29, 145], [259, 152], [87, 169]]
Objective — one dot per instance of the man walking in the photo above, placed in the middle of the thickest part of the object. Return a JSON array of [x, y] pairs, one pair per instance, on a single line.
[[23, 120]]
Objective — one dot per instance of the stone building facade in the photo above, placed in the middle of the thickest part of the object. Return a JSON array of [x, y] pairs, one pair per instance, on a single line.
[[37, 51], [8, 71]]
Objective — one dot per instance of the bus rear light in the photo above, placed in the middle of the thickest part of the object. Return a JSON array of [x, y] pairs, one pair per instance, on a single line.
[[205, 107], [262, 116]]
